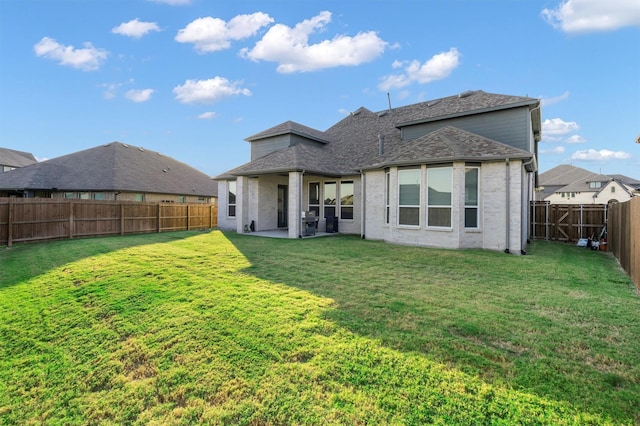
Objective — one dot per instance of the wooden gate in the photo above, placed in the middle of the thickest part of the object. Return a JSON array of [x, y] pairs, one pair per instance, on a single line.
[[566, 222]]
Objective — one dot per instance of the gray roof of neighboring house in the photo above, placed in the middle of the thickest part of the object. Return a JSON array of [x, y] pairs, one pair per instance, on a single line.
[[112, 167], [569, 178], [13, 158], [352, 144]]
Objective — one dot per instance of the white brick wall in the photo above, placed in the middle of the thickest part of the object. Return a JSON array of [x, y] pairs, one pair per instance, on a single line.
[[492, 232]]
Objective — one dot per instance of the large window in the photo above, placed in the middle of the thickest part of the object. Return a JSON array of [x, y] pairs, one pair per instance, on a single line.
[[231, 200], [314, 198], [409, 197], [346, 199], [471, 197], [329, 199], [439, 197]]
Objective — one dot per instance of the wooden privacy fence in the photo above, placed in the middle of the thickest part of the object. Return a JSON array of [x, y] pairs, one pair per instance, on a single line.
[[624, 236], [37, 219], [566, 222]]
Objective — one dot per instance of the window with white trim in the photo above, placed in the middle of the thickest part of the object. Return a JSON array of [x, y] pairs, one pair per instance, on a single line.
[[314, 198], [346, 199], [471, 194], [439, 197], [409, 197], [231, 198]]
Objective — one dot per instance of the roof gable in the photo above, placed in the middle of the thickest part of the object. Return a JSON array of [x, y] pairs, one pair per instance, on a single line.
[[13, 158], [290, 127]]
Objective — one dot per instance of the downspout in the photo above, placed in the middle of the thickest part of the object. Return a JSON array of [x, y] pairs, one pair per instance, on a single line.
[[363, 205], [299, 220], [508, 206], [529, 193]]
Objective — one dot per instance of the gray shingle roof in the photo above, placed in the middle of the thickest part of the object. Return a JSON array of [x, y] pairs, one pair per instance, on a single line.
[[112, 167], [352, 143], [569, 178], [450, 144], [13, 158], [290, 127]]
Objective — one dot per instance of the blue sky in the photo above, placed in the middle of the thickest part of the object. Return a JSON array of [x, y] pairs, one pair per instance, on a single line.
[[193, 78]]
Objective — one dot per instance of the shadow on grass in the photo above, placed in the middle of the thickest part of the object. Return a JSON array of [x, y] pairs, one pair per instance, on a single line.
[[49, 255], [533, 323]]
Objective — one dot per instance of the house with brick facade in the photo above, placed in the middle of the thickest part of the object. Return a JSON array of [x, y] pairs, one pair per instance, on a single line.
[[455, 172]]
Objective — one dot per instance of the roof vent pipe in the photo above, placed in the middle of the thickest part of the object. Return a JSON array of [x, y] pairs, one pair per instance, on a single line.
[[380, 144]]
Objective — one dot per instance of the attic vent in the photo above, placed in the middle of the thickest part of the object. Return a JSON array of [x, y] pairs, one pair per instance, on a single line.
[[141, 149], [125, 145], [165, 170], [383, 113], [466, 94], [433, 103], [356, 112]]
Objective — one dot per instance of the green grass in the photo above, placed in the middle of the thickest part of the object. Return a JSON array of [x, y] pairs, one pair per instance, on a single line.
[[222, 328]]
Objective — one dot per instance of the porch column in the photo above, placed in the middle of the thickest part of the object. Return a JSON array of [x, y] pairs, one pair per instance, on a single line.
[[294, 216], [242, 203]]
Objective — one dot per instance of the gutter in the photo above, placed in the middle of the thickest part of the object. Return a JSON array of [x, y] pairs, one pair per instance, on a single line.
[[363, 204]]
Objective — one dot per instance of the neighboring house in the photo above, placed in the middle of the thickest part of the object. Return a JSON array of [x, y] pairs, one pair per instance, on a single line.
[[114, 171], [455, 172], [11, 159], [568, 184]]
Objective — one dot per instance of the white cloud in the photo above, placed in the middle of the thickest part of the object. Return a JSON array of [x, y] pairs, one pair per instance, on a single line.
[[576, 139], [110, 90], [207, 115], [212, 34], [88, 58], [579, 16], [142, 95], [290, 47], [135, 28], [555, 150], [436, 68], [208, 91], [601, 155], [554, 100], [558, 127]]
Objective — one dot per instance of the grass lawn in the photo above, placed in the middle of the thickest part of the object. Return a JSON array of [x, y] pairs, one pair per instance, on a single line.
[[222, 328]]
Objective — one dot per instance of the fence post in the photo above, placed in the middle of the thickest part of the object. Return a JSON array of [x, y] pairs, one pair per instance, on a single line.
[[159, 217], [188, 217], [10, 224]]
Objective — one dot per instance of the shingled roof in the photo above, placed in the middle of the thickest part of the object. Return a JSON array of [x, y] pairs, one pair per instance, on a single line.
[[352, 144], [112, 167], [13, 158]]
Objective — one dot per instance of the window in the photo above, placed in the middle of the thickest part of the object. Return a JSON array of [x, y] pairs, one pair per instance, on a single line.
[[595, 185], [314, 198], [386, 197], [613, 189], [471, 197], [84, 195], [231, 201], [69, 195], [138, 197], [182, 199], [98, 196], [409, 197], [439, 197], [346, 200], [329, 199]]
